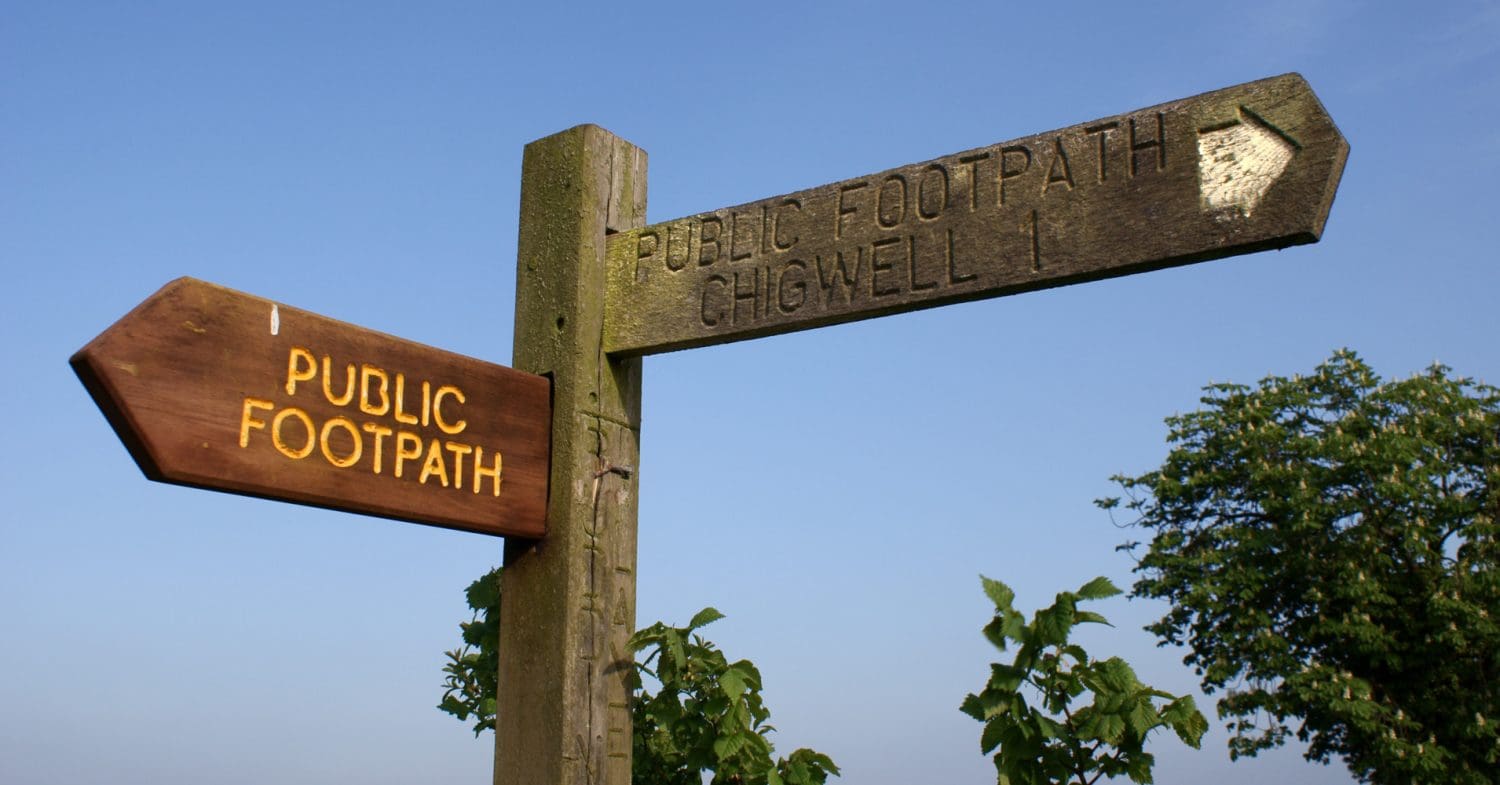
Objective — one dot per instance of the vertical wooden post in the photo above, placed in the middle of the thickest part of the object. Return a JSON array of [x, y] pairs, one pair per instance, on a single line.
[[568, 600]]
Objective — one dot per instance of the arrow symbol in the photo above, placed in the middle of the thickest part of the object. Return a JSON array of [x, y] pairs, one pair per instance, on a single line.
[[1239, 161]]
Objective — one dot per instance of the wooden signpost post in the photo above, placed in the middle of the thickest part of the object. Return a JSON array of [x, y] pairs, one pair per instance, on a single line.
[[218, 389]]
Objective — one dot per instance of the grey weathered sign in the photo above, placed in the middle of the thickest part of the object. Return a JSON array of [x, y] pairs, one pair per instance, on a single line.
[[1243, 169]]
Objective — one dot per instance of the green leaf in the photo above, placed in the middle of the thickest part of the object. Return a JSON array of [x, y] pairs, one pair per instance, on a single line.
[[994, 731], [1053, 625], [1098, 589], [1005, 678], [703, 618], [1089, 617], [733, 684], [999, 593], [994, 632], [973, 707], [728, 746], [1110, 728]]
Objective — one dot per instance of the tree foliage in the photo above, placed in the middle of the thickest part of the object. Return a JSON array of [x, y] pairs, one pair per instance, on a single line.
[[706, 716], [1329, 547], [473, 670], [1031, 709]]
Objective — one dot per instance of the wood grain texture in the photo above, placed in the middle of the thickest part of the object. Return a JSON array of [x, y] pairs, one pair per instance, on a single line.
[[568, 601], [1244, 169], [217, 389]]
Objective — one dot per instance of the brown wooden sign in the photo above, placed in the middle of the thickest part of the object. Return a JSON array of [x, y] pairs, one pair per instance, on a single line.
[[1243, 169], [213, 388]]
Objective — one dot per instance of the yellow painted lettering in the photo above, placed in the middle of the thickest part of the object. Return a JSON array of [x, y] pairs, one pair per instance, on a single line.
[[348, 395], [359, 443], [408, 448], [426, 403], [401, 415], [307, 425], [366, 373], [434, 464], [248, 421], [295, 374], [481, 472], [459, 451], [437, 409], [380, 432]]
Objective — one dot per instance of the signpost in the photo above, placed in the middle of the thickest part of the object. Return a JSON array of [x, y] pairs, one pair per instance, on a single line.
[[1243, 169], [217, 389]]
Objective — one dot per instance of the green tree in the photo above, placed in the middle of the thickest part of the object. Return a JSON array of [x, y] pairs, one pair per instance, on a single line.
[[707, 714], [1052, 737], [1328, 545], [472, 672]]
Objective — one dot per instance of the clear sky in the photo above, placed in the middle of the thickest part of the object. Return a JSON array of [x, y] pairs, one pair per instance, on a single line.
[[835, 492]]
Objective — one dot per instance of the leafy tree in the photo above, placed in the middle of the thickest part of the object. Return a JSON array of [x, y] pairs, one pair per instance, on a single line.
[[707, 715], [1052, 738], [1329, 546], [473, 670]]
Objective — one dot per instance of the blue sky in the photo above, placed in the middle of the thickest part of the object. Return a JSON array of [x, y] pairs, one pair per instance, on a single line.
[[835, 492]]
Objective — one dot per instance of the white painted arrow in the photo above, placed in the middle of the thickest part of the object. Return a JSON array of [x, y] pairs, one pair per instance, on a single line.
[[1238, 163]]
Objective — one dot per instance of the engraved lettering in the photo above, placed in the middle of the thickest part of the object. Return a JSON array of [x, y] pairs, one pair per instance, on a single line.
[[798, 286], [839, 275], [954, 276], [1102, 131], [705, 239], [248, 421], [480, 472], [459, 451], [911, 265], [379, 432], [281, 444], [753, 295], [884, 216], [1036, 243], [408, 448], [434, 465], [676, 265], [734, 239], [645, 249], [402, 416], [838, 219], [1159, 143], [778, 221], [877, 267], [294, 374], [437, 409], [765, 229], [926, 191], [366, 373], [973, 163], [1059, 171], [1007, 170], [342, 400], [703, 310], [348, 427]]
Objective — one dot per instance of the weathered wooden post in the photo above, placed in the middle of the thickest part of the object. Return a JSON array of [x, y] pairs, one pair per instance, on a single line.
[[569, 599]]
